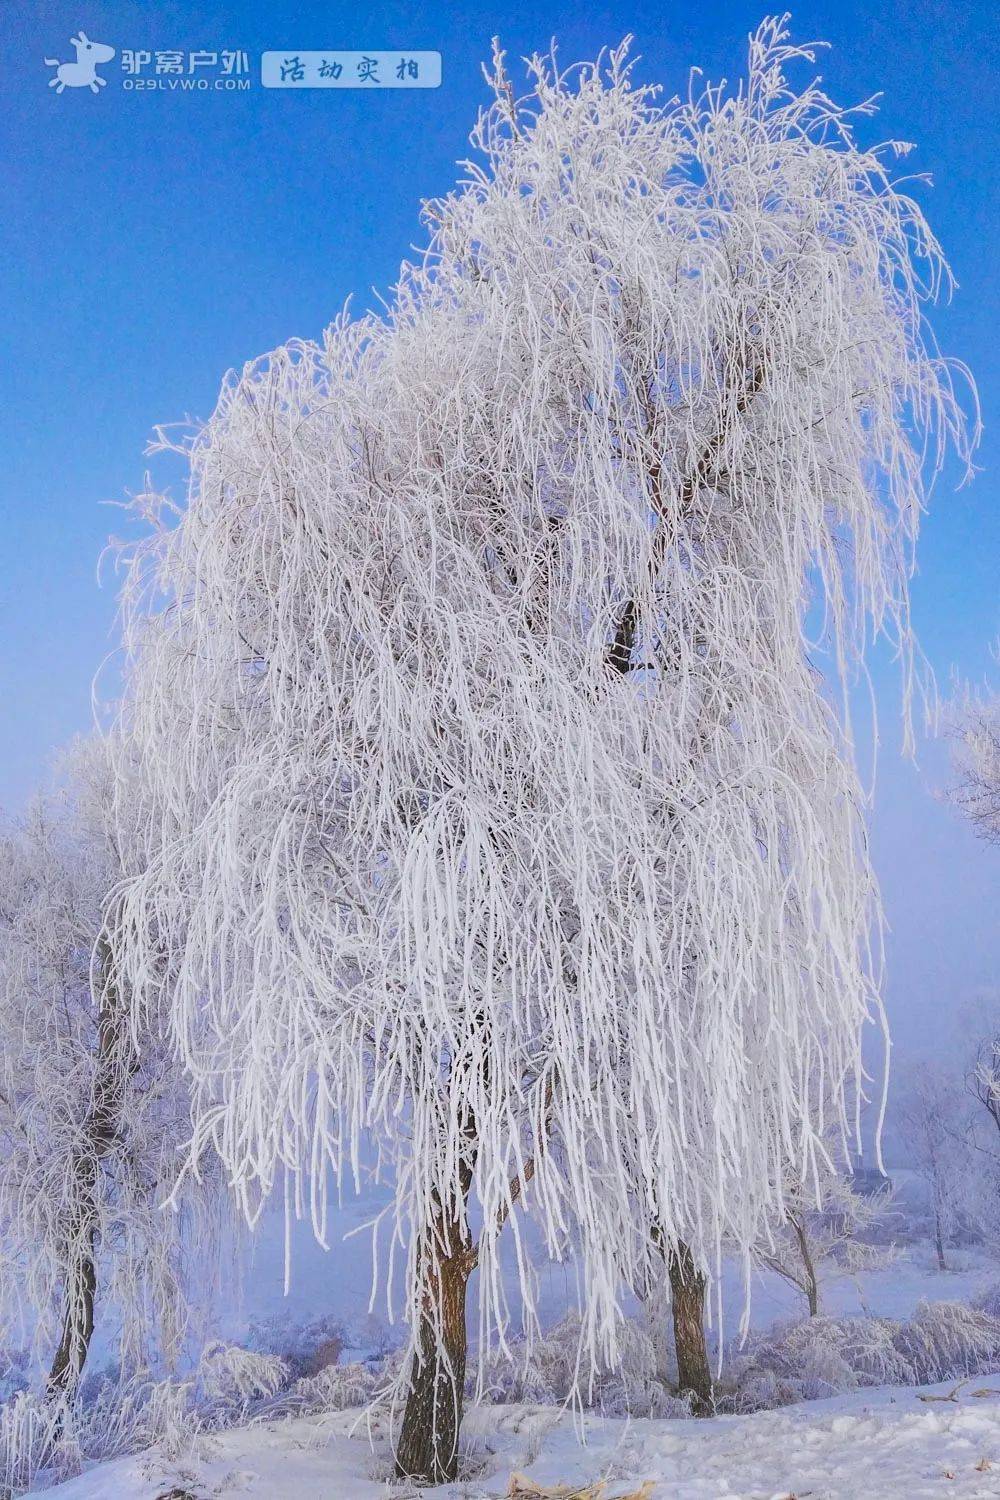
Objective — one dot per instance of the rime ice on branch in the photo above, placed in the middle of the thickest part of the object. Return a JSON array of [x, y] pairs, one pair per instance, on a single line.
[[501, 810]]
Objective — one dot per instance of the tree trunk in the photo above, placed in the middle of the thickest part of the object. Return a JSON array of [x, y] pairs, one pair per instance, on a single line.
[[810, 1282], [813, 1298], [78, 1316], [687, 1297], [428, 1442], [116, 1062], [939, 1239]]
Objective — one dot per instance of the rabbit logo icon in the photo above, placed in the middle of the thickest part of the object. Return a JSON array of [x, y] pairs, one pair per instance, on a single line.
[[83, 72]]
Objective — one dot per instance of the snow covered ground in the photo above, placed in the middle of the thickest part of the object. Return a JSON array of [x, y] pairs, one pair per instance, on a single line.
[[884, 1444]]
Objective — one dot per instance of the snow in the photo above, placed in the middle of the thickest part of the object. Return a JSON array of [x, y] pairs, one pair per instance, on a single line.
[[885, 1444]]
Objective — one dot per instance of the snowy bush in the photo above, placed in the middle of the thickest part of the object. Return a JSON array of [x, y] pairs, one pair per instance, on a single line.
[[231, 1378], [334, 1388], [989, 1300], [35, 1437], [823, 1356], [42, 1442], [553, 1369], [945, 1339], [819, 1357], [541, 1371], [306, 1348], [45, 1440], [802, 1361]]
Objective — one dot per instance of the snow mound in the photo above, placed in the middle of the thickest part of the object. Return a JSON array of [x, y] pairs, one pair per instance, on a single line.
[[886, 1444]]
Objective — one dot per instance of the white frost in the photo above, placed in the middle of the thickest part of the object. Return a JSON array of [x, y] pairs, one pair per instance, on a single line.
[[499, 808]]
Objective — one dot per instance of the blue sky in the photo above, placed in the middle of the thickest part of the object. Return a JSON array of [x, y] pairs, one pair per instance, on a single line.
[[153, 240]]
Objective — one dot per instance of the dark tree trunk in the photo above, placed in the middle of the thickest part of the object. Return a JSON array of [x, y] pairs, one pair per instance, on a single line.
[[813, 1298], [428, 1442], [687, 1297], [939, 1239], [810, 1281]]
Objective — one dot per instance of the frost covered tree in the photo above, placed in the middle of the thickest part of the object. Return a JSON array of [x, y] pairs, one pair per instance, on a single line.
[[983, 1078], [500, 808], [982, 1181], [91, 1121], [932, 1129], [978, 1123], [976, 736], [822, 1233]]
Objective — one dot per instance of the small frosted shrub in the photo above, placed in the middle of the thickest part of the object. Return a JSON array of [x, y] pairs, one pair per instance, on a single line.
[[864, 1346], [989, 1300], [947, 1339], [334, 1388], [42, 1442], [756, 1389], [548, 1371], [818, 1357], [305, 1347], [232, 1378], [540, 1371], [37, 1443], [824, 1356]]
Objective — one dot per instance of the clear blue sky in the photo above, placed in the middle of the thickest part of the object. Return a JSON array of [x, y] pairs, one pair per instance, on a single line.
[[153, 240]]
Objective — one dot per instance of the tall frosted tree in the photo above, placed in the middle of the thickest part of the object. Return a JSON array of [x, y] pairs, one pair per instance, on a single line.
[[502, 810]]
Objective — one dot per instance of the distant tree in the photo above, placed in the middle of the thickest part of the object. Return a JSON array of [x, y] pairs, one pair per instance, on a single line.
[[822, 1233], [975, 727], [981, 1180], [91, 1125], [499, 808], [931, 1125], [974, 723], [984, 1079]]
